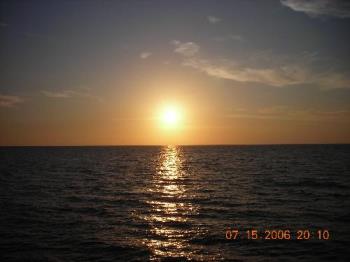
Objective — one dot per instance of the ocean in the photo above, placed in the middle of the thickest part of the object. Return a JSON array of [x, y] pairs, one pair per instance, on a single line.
[[174, 203]]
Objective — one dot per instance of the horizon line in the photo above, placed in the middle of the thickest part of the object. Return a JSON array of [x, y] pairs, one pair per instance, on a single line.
[[159, 145]]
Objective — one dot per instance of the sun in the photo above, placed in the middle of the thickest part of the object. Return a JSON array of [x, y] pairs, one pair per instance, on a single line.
[[171, 116]]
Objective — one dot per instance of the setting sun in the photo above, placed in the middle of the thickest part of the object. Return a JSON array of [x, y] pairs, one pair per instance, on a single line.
[[171, 116]]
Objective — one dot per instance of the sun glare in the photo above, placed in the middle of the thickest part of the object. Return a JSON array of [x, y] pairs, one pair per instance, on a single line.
[[171, 116]]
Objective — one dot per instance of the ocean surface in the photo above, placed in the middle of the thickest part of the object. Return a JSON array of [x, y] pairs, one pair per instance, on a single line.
[[174, 203]]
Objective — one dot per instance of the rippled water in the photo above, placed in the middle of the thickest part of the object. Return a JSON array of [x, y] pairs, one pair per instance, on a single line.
[[152, 203]]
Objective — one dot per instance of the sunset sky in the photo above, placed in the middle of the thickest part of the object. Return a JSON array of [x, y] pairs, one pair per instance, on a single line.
[[174, 72]]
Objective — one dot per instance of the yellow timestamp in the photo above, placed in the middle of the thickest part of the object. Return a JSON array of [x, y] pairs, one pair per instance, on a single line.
[[278, 234]]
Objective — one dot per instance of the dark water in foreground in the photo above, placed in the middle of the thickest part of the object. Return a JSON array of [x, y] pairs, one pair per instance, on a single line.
[[151, 203]]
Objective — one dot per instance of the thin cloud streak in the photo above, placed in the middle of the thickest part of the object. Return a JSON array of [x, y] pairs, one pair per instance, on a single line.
[[278, 76], [230, 37], [145, 55], [279, 73], [287, 113], [228, 70], [213, 19], [57, 94], [185, 49], [9, 100], [64, 94], [316, 8]]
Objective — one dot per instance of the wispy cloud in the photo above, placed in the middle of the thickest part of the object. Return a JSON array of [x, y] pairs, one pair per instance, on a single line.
[[58, 94], [186, 49], [229, 70], [213, 19], [9, 100], [276, 72], [3, 24], [287, 113], [236, 37], [79, 92], [315, 8], [230, 37], [145, 55], [275, 76]]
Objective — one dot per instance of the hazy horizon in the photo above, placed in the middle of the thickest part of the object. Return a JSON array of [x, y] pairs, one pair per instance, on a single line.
[[167, 145]]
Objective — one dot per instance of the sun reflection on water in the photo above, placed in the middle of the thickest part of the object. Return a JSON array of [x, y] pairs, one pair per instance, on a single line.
[[171, 208]]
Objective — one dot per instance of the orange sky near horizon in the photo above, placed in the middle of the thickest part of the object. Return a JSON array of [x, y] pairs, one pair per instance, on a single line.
[[138, 121]]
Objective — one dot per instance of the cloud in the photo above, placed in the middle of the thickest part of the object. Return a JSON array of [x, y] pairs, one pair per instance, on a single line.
[[185, 49], [231, 37], [278, 76], [273, 71], [329, 80], [227, 69], [3, 24], [59, 94], [9, 101], [287, 113], [213, 19], [145, 55], [315, 8], [79, 92], [236, 37]]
